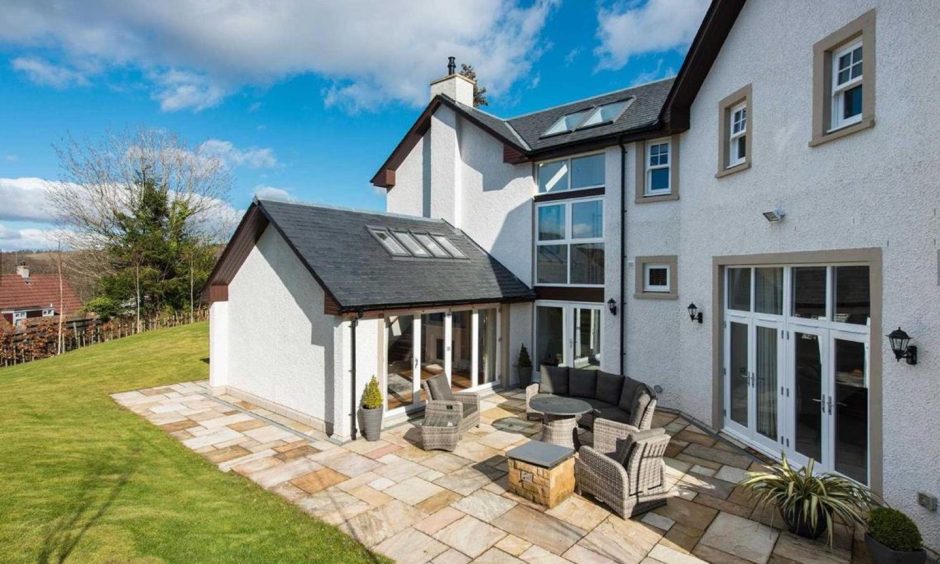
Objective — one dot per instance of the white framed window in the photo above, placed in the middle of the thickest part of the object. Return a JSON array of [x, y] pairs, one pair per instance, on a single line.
[[658, 173], [847, 86], [569, 243], [389, 243], [410, 243], [48, 312], [576, 173], [657, 278], [737, 135], [18, 316]]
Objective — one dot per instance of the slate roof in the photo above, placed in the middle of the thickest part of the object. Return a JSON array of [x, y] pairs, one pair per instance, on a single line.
[[336, 245], [41, 291]]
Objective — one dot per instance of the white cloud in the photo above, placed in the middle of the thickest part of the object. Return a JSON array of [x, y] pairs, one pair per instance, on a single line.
[[31, 238], [630, 29], [272, 193], [43, 72], [657, 73], [24, 199], [373, 52], [232, 156]]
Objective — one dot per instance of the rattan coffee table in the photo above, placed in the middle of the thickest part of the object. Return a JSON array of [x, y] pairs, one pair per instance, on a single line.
[[440, 431], [560, 418]]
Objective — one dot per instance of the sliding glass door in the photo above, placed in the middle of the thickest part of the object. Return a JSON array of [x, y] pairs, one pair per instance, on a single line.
[[567, 335], [796, 346]]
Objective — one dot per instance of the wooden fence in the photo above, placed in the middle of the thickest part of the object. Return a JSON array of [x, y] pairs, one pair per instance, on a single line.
[[39, 338]]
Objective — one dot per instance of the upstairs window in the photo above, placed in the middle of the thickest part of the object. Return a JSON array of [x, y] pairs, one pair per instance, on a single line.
[[658, 174], [847, 86], [569, 243], [738, 152], [734, 149], [48, 312], [18, 316], [576, 173]]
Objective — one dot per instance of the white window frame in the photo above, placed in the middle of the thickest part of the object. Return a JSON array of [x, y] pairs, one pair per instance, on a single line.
[[48, 312], [657, 289], [736, 138], [648, 190], [838, 90], [18, 316], [567, 161], [567, 241]]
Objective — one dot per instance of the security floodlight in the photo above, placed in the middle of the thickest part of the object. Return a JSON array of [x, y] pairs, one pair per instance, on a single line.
[[774, 216]]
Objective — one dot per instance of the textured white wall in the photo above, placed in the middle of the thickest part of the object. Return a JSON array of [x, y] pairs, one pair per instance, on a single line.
[[445, 185], [407, 196], [280, 341], [876, 188], [218, 344], [610, 328]]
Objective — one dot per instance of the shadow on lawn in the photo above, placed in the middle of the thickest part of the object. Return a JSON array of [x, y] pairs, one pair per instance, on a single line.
[[67, 531]]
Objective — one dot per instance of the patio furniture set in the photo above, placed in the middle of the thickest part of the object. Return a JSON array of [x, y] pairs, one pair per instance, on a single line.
[[624, 466]]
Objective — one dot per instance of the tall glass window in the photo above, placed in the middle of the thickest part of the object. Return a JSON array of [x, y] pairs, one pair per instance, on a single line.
[[461, 375], [399, 355], [486, 339], [570, 243]]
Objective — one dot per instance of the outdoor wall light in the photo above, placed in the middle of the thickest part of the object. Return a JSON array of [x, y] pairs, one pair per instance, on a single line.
[[694, 313], [900, 345], [612, 306], [774, 216]]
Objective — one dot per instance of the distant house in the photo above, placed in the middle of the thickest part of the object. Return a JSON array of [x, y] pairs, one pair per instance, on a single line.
[[24, 297]]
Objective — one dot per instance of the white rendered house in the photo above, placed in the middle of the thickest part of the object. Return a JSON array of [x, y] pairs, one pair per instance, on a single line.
[[785, 182]]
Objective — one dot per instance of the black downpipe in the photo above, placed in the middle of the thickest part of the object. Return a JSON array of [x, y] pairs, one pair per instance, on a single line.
[[623, 247], [352, 369]]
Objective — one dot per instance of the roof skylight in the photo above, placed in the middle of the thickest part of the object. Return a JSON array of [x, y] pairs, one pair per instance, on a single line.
[[567, 123], [597, 115], [411, 244], [608, 113], [449, 247], [391, 245], [431, 245], [400, 243]]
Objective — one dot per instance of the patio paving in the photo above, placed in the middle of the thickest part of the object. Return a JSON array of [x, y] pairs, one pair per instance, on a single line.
[[417, 506]]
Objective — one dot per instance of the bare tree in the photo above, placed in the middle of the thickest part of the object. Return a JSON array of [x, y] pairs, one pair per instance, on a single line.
[[101, 184]]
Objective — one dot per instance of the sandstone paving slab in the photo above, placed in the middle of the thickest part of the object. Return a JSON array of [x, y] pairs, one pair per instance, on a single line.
[[244, 460], [470, 536], [464, 481], [579, 512], [302, 450], [666, 555], [335, 506], [363, 446], [345, 462], [319, 480], [731, 474], [688, 513], [371, 495], [582, 555], [398, 469], [226, 420], [656, 520], [723, 505], [363, 479], [484, 505], [438, 520], [213, 438], [227, 453], [438, 501], [683, 456], [285, 472], [501, 440], [269, 433], [381, 483], [410, 546], [538, 528], [430, 475], [537, 555], [475, 451], [179, 425], [741, 537], [710, 554], [706, 485], [703, 471], [413, 491], [799, 549], [451, 556], [497, 556], [682, 538], [622, 540], [718, 455], [446, 462], [511, 544]]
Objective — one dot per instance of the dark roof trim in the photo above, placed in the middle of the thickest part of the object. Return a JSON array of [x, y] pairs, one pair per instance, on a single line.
[[711, 35], [435, 304], [383, 179]]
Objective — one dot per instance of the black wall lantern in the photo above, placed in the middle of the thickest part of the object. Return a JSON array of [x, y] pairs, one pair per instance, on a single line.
[[900, 345], [694, 313], [612, 306]]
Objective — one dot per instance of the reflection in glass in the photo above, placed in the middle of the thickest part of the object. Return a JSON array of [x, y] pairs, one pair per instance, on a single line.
[[549, 336], [809, 292], [587, 172], [852, 294], [851, 410], [587, 263], [587, 332], [552, 265], [399, 338], [486, 337], [432, 346], [553, 176], [766, 393], [461, 346], [551, 223], [587, 220], [739, 289], [738, 373], [768, 290], [808, 406]]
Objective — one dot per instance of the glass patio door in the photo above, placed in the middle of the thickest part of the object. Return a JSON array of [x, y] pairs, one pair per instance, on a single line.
[[568, 335], [753, 367], [809, 425]]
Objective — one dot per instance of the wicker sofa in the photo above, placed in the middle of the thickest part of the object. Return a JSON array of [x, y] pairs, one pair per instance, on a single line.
[[624, 469], [613, 396]]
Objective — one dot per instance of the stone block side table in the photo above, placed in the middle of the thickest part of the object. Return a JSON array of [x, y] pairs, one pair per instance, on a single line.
[[541, 472]]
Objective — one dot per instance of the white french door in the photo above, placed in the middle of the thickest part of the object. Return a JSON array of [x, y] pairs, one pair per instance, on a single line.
[[567, 334], [796, 350]]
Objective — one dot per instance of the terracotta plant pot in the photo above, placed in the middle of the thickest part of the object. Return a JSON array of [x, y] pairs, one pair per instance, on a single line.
[[881, 554], [370, 422]]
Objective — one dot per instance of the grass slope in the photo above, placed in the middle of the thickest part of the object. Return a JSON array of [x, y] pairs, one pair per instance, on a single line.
[[85, 480]]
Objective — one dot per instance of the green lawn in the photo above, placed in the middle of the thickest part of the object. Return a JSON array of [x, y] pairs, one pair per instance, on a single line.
[[85, 480]]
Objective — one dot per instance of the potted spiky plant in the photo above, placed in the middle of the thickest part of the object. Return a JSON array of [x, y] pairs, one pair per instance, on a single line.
[[524, 367], [809, 502], [371, 411], [893, 538]]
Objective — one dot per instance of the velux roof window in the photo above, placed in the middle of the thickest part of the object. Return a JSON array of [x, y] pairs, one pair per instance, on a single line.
[[420, 245], [590, 117]]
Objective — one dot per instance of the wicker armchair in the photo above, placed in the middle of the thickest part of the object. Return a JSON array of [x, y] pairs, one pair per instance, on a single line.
[[441, 400], [624, 469], [530, 392]]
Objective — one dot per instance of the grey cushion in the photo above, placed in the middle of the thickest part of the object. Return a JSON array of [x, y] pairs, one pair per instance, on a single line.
[[614, 414], [608, 387], [554, 380], [627, 392], [641, 402], [582, 383], [440, 389]]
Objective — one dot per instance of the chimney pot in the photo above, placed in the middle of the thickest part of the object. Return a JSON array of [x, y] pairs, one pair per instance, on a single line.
[[23, 271], [451, 65]]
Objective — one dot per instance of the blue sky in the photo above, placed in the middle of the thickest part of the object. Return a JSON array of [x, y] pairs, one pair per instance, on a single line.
[[305, 98]]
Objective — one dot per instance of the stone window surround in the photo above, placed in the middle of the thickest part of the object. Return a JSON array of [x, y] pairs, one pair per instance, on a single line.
[[640, 264], [862, 27], [743, 94], [640, 181]]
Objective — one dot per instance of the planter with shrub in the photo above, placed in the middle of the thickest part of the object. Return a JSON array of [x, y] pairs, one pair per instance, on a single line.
[[893, 538], [795, 492], [371, 411], [524, 368]]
